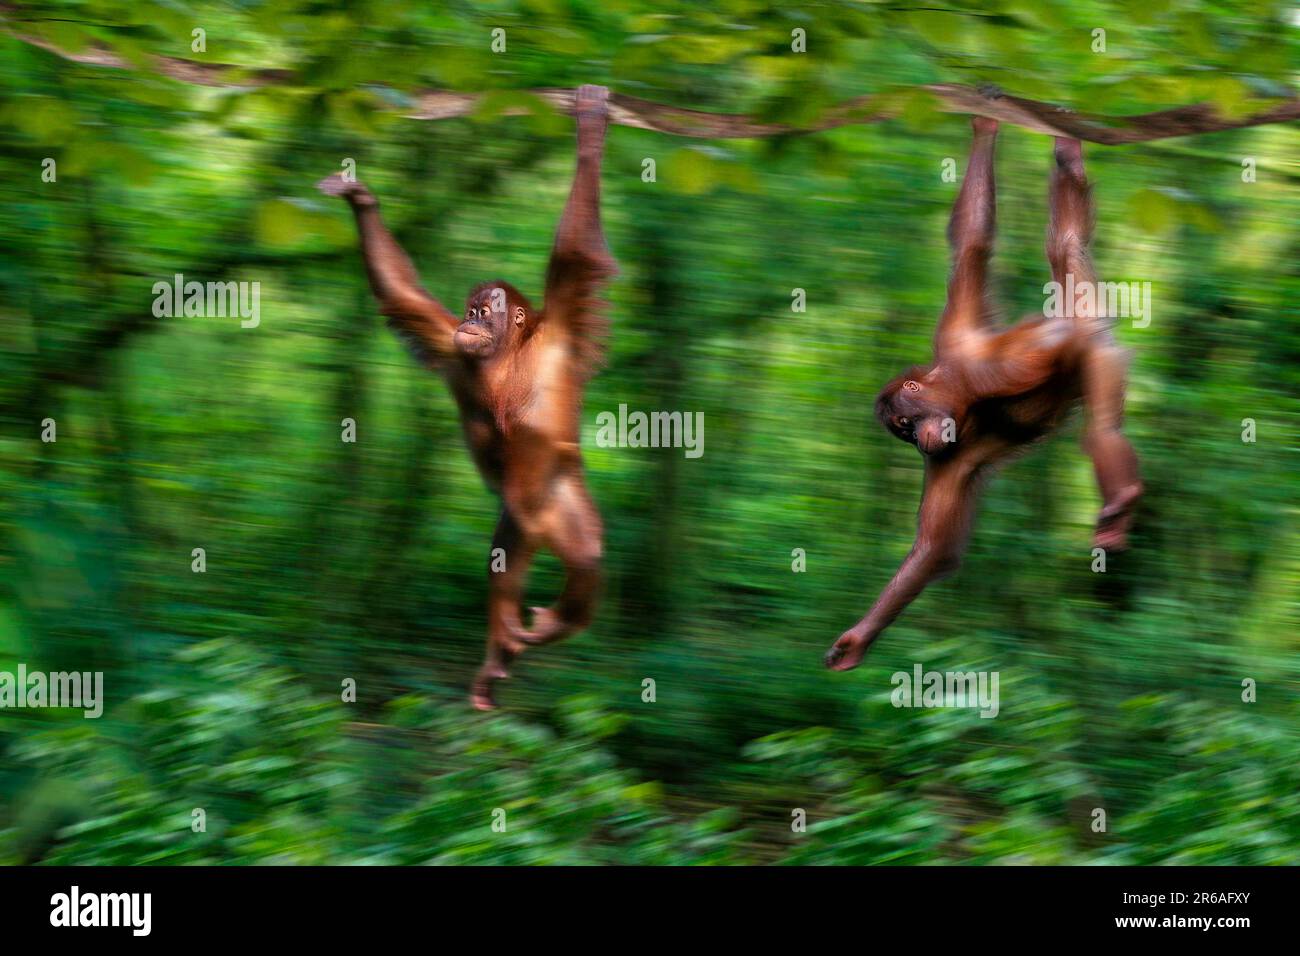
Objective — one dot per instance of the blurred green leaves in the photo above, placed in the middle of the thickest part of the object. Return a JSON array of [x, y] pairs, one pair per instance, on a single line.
[[284, 224], [329, 560]]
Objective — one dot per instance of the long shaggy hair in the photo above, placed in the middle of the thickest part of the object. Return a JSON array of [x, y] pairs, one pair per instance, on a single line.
[[585, 278]]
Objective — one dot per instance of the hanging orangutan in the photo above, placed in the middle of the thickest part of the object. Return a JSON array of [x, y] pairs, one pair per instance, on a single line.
[[990, 391], [517, 373]]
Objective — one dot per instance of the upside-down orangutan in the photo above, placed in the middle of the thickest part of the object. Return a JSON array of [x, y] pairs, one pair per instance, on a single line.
[[990, 391], [517, 374]]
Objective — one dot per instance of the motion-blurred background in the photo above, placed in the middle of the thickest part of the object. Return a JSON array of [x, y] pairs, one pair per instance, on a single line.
[[328, 560]]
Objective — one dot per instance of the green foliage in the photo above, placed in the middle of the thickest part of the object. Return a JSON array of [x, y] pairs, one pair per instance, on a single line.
[[329, 561], [280, 777]]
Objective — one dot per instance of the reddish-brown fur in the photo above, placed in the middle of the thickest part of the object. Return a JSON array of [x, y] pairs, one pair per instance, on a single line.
[[517, 375], [990, 392]]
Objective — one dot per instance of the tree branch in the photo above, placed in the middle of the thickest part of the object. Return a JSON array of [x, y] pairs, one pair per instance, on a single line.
[[644, 114]]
